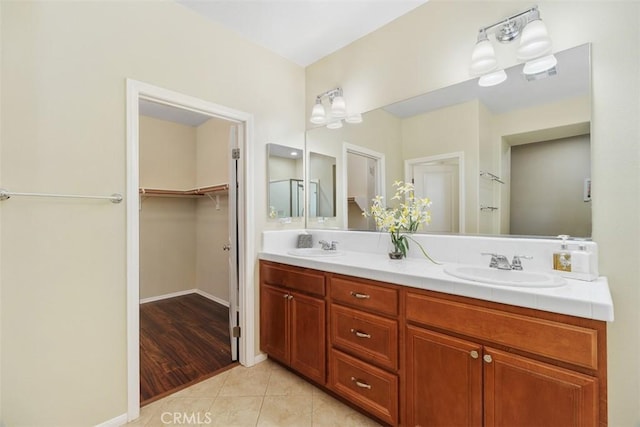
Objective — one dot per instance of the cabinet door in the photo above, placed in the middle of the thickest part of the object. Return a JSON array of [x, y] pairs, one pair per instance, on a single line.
[[274, 327], [308, 336], [443, 380], [523, 392]]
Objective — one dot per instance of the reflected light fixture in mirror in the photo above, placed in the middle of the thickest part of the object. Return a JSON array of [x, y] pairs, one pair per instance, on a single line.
[[535, 47], [337, 111]]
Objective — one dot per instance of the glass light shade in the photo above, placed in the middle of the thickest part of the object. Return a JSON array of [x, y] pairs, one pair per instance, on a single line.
[[483, 58], [354, 118], [336, 124], [318, 116], [338, 107], [492, 79], [534, 42], [540, 65]]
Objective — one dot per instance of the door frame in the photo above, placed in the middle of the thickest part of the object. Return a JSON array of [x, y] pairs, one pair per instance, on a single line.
[[135, 90], [380, 173], [457, 155]]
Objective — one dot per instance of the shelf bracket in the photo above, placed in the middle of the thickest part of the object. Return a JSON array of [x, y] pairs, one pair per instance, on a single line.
[[216, 200]]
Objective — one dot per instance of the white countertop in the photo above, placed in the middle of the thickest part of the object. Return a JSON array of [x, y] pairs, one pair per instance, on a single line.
[[590, 300]]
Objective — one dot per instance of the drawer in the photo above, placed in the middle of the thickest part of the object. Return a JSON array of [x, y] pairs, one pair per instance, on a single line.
[[364, 295], [301, 279], [560, 341], [367, 336], [371, 388]]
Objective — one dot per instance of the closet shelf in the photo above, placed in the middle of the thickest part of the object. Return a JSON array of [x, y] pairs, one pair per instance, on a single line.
[[196, 192]]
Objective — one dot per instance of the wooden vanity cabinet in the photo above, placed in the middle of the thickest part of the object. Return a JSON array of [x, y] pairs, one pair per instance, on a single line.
[[414, 357], [494, 365], [293, 318], [363, 337]]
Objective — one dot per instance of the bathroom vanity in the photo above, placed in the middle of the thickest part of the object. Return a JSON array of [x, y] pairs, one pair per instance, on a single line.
[[410, 345]]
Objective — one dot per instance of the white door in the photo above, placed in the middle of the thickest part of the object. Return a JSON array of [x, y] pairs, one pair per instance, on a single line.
[[235, 135], [439, 182]]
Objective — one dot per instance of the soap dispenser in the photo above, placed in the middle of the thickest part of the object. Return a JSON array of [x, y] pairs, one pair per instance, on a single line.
[[583, 264], [562, 258]]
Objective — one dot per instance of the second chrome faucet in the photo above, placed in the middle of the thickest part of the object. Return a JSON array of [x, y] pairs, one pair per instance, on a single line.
[[328, 246], [502, 263]]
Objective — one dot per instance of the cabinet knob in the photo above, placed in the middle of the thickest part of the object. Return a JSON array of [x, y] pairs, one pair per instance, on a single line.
[[474, 354], [487, 358], [360, 334], [290, 297], [226, 247], [361, 384], [359, 295], [286, 296]]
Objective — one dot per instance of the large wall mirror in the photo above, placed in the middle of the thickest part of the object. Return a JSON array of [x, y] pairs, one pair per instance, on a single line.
[[322, 186], [286, 181], [512, 159]]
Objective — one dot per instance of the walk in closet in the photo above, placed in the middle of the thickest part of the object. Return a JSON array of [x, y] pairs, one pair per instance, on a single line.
[[184, 242]]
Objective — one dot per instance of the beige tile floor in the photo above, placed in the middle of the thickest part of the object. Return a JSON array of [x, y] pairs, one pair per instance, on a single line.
[[263, 395]]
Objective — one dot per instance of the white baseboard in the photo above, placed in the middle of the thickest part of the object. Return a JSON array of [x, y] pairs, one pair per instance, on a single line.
[[259, 358], [118, 421], [187, 292], [211, 297], [166, 296]]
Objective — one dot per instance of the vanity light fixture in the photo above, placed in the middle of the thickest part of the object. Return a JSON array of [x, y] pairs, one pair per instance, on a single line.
[[337, 111], [535, 47]]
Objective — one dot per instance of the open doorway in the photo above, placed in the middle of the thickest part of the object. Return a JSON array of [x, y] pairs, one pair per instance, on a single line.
[[440, 178], [364, 176], [204, 212], [185, 241]]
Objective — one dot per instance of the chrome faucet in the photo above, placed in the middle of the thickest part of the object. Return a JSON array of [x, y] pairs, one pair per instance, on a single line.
[[502, 263], [326, 246], [516, 264]]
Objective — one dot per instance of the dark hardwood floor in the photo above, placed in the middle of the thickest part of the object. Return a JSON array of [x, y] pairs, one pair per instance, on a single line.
[[183, 340]]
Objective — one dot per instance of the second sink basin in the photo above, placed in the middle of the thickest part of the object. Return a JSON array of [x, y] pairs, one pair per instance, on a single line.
[[313, 252], [494, 276]]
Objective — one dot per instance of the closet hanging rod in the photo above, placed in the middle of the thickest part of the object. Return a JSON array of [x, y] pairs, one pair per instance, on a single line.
[[114, 198]]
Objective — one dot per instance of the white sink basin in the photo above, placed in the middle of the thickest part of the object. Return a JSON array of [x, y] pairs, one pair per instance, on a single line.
[[313, 252], [494, 276]]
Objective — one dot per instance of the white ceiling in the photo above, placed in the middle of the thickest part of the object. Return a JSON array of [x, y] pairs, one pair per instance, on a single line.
[[302, 30]]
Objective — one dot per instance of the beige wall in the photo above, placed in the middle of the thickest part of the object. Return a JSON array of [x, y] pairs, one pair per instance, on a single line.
[[410, 56], [282, 168], [167, 246], [547, 183], [212, 152], [63, 129], [167, 154], [181, 239], [562, 119], [167, 225], [448, 130], [211, 234]]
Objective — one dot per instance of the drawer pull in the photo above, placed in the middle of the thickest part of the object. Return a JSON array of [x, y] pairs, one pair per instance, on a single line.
[[360, 334], [360, 383], [358, 295]]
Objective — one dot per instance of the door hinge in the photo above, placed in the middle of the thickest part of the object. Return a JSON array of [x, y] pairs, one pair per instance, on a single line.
[[235, 153], [235, 333]]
